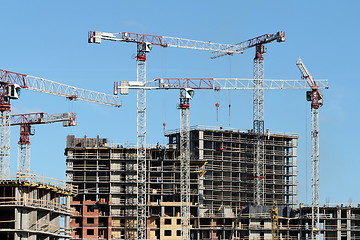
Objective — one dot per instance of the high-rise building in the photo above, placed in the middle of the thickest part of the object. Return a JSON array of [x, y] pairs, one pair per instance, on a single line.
[[222, 176], [34, 207]]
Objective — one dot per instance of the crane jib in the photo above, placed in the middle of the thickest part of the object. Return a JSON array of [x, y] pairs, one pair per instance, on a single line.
[[13, 77]]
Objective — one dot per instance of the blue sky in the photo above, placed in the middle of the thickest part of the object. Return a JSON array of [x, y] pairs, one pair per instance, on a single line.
[[49, 39]]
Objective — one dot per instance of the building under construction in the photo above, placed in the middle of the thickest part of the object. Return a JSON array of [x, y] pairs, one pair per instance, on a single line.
[[222, 176], [222, 196], [34, 207]]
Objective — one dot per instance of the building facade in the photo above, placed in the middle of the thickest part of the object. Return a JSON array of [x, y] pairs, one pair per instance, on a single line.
[[222, 176], [34, 208]]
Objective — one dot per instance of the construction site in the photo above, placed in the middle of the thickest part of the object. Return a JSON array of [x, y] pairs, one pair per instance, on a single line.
[[204, 183]]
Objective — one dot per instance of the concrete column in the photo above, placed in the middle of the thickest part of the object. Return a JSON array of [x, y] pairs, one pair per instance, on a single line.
[[338, 213], [348, 224], [294, 180], [201, 145]]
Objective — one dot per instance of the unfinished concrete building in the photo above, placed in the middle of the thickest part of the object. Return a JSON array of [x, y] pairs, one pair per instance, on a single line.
[[222, 172], [339, 222], [34, 208], [222, 175]]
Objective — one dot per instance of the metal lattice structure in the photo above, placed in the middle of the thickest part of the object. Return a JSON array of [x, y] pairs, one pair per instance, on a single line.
[[144, 44], [253, 42], [12, 82], [216, 84], [258, 102], [5, 141], [141, 145], [316, 98], [185, 163], [51, 87], [315, 173], [257, 85], [258, 116], [25, 121], [163, 41]]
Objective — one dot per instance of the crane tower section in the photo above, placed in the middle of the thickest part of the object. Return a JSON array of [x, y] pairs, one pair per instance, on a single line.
[[258, 102], [316, 99], [10, 85], [144, 44], [25, 121], [186, 87]]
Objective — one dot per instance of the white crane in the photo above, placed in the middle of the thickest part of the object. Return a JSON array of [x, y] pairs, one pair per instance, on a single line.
[[186, 87], [258, 103], [10, 85], [316, 99], [25, 121], [144, 44]]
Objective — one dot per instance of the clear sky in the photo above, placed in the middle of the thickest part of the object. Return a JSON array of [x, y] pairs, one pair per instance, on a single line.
[[49, 39]]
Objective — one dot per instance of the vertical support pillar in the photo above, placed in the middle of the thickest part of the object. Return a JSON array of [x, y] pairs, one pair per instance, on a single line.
[[258, 115], [185, 164], [5, 142], [141, 146], [24, 149], [294, 170], [315, 181], [201, 145]]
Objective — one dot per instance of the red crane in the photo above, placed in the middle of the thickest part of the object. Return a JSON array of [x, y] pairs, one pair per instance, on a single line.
[[25, 121], [316, 99], [10, 85], [144, 44]]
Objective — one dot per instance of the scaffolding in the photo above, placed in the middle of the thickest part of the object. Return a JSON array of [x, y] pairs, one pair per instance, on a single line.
[[221, 182], [221, 189]]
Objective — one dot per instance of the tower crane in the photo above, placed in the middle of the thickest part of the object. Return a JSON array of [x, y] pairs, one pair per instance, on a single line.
[[10, 85], [186, 87], [258, 102], [25, 121], [316, 99], [144, 45]]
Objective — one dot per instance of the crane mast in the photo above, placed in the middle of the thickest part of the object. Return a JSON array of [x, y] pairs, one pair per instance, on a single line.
[[144, 44], [186, 87], [258, 116], [258, 104], [141, 141], [316, 99], [184, 106], [25, 121], [10, 85], [8, 91], [5, 140]]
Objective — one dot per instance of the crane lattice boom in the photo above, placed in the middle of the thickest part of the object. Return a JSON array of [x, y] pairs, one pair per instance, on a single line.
[[59, 89], [215, 84], [163, 41], [12, 82], [25, 121], [42, 118], [240, 47]]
